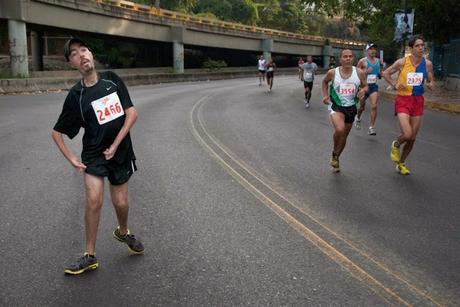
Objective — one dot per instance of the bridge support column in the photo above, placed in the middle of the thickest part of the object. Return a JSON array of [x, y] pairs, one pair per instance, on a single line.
[[178, 51], [177, 37], [37, 51], [327, 51], [267, 47], [18, 48]]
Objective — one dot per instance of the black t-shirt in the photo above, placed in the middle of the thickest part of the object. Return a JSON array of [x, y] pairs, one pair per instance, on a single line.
[[99, 109]]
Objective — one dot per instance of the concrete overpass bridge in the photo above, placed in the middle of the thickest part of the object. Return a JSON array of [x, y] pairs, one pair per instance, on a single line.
[[127, 19]]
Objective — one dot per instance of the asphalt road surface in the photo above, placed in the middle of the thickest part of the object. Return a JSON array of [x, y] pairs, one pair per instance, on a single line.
[[236, 205]]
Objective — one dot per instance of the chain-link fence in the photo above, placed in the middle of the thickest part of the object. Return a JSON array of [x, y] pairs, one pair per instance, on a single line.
[[446, 60]]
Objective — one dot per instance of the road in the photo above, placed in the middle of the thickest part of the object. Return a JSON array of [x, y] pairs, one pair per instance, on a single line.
[[236, 205]]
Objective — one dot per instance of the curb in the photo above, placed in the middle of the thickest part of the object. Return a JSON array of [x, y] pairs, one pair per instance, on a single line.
[[49, 84], [433, 105]]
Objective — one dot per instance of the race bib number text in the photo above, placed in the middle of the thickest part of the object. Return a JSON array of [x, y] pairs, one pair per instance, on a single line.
[[308, 75], [371, 79], [347, 89], [107, 108], [414, 78]]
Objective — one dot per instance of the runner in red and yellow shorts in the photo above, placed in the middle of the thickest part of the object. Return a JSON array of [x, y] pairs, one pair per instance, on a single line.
[[414, 71]]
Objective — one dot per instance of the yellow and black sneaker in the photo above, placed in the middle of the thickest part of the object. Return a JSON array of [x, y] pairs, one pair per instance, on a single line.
[[402, 169], [394, 154], [85, 263], [134, 245], [335, 164]]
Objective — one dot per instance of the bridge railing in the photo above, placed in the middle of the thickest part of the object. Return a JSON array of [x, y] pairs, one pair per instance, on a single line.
[[203, 21]]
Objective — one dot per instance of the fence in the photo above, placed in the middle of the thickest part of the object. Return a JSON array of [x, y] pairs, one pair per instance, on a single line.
[[446, 60]]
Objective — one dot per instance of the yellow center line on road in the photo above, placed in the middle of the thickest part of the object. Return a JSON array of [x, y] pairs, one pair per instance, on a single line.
[[269, 185], [356, 271]]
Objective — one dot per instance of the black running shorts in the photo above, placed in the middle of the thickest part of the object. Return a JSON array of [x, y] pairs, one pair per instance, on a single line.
[[307, 84], [116, 173], [349, 112]]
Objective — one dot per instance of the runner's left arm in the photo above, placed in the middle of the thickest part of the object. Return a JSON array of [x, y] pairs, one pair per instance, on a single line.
[[324, 85], [130, 113], [131, 117], [363, 86], [429, 75]]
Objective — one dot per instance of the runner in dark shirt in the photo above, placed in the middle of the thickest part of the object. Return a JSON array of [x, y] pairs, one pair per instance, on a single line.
[[99, 103]]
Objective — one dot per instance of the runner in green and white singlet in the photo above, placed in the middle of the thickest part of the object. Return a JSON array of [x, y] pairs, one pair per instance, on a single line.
[[347, 84]]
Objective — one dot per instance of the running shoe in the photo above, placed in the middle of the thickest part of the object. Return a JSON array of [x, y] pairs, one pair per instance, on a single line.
[[85, 263], [335, 163], [402, 169], [357, 123], [134, 245], [307, 103], [394, 152], [371, 131]]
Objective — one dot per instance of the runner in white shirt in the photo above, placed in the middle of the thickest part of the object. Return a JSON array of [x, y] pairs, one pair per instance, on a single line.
[[261, 69], [347, 84], [309, 70]]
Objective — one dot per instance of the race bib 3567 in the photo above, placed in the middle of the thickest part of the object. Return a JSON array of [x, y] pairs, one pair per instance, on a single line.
[[107, 108]]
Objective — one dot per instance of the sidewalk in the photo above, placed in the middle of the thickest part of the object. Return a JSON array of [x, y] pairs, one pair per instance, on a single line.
[[438, 99]]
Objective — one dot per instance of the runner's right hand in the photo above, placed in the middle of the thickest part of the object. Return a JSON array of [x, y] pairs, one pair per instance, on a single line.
[[327, 99], [78, 165]]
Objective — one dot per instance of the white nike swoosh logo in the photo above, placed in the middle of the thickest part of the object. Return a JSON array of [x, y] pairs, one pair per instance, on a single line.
[[108, 88]]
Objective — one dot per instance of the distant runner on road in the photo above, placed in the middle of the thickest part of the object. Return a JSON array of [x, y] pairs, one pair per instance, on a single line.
[[414, 70], [270, 67], [299, 67], [347, 84], [100, 103], [371, 65], [308, 76], [261, 69]]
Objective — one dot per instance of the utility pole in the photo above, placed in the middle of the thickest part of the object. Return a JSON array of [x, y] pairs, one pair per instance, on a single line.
[[404, 34]]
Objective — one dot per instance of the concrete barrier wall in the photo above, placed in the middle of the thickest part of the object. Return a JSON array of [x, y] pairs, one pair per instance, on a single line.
[[131, 78]]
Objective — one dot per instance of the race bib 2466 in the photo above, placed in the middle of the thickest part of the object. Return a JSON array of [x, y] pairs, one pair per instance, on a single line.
[[107, 108]]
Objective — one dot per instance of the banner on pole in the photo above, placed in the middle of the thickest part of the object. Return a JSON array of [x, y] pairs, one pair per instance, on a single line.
[[404, 25]]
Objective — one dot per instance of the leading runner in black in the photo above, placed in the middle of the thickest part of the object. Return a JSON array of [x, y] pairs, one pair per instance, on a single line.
[[100, 103]]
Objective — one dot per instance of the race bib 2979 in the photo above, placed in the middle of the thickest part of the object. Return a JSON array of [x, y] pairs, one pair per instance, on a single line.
[[107, 108]]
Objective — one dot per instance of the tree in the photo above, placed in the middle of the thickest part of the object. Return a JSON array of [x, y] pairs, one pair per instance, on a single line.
[[242, 11]]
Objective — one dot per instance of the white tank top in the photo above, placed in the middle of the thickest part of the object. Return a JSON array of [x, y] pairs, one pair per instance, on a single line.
[[343, 91]]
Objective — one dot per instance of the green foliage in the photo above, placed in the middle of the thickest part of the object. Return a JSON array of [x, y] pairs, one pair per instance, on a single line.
[[219, 8], [213, 64], [242, 11], [350, 19]]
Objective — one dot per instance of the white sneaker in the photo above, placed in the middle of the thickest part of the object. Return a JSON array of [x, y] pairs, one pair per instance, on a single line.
[[357, 123], [371, 131], [307, 104]]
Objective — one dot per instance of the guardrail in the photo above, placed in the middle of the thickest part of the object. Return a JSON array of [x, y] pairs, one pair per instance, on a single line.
[[203, 21]]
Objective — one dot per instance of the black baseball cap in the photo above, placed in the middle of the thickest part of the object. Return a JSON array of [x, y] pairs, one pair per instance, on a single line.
[[70, 42]]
